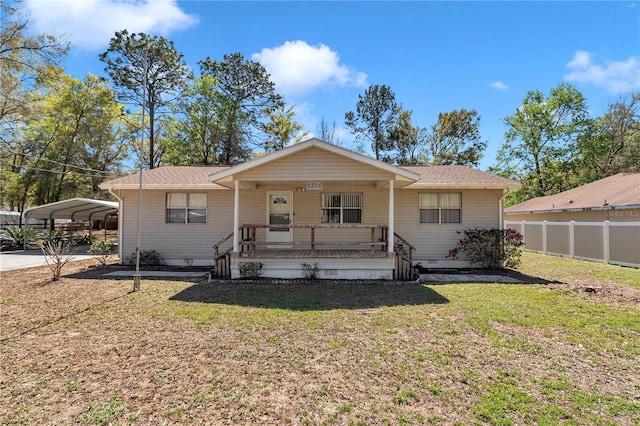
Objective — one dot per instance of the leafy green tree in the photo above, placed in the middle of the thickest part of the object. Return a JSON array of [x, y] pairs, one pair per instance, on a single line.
[[455, 139], [149, 72], [613, 143], [25, 60], [376, 115], [409, 140], [282, 130], [74, 145], [250, 99], [197, 132], [541, 141]]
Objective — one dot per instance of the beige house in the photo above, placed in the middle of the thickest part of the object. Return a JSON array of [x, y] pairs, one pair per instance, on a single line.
[[312, 203], [598, 221]]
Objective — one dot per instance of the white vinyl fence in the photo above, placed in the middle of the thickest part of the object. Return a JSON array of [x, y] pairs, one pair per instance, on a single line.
[[610, 242]]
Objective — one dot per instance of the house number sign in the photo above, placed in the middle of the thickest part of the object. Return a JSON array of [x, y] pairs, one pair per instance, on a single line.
[[314, 186]]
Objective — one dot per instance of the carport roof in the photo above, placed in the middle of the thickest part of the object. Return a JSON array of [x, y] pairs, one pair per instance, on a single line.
[[74, 208]]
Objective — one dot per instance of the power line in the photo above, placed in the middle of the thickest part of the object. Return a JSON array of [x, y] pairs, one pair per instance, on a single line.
[[57, 162], [61, 172]]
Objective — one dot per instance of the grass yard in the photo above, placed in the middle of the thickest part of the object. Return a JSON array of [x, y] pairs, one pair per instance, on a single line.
[[84, 350]]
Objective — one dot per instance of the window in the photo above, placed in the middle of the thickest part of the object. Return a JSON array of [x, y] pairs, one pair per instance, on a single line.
[[341, 207], [185, 207], [440, 207]]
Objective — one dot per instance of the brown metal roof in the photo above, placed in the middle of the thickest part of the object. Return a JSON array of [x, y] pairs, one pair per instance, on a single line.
[[621, 190]]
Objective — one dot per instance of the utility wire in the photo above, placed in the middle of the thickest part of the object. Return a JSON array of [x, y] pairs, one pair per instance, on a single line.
[[61, 172], [57, 162]]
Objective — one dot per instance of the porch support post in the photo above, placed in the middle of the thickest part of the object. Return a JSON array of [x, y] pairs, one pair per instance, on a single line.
[[236, 217], [391, 234]]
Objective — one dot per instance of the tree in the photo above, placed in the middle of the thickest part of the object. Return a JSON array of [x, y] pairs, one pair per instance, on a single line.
[[455, 139], [250, 98], [281, 129], [328, 134], [74, 145], [25, 60], [409, 140], [376, 114], [613, 143], [149, 72], [541, 141], [196, 134]]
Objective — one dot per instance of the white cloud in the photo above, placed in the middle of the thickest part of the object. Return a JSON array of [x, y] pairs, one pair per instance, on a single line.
[[90, 24], [297, 68], [499, 85], [615, 76]]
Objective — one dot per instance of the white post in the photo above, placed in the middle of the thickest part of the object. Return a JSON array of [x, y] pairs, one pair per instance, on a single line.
[[572, 239], [605, 240], [544, 236], [524, 237], [391, 236], [236, 217]]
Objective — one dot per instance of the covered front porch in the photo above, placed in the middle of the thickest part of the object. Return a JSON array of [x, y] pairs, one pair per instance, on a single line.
[[348, 259], [312, 203]]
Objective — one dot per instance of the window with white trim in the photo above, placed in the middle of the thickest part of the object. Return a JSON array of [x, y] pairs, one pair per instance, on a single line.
[[440, 207], [341, 207], [186, 207]]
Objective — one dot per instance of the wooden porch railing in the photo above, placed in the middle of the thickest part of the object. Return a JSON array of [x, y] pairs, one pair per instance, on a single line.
[[222, 261], [404, 269], [249, 239]]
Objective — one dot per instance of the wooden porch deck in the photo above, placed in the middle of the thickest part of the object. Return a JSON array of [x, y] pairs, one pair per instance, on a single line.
[[334, 253]]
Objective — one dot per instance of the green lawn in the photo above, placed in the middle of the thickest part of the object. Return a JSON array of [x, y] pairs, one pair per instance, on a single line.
[[85, 351]]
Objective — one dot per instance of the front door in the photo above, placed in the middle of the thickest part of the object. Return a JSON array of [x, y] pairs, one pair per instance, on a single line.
[[279, 212]]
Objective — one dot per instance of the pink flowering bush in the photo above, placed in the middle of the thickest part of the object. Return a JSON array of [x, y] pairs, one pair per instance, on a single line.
[[490, 248]]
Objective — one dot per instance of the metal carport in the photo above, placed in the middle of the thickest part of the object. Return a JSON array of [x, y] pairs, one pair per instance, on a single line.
[[74, 209]]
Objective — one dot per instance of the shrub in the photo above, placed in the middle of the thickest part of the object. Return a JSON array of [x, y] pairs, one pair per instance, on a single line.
[[490, 248], [100, 250], [310, 271], [250, 269], [63, 236], [147, 258], [86, 238], [13, 237], [57, 252]]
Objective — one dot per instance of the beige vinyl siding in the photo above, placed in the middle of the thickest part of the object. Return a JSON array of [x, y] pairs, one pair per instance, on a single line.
[[433, 241], [175, 241], [307, 209], [314, 164]]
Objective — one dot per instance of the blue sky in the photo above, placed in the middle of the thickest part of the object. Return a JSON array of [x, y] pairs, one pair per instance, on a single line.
[[435, 56]]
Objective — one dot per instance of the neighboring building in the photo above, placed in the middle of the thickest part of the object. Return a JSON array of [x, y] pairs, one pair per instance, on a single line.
[[615, 198], [313, 203], [598, 221]]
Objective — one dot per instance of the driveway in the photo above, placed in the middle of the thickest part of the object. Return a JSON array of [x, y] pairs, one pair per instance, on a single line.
[[30, 258]]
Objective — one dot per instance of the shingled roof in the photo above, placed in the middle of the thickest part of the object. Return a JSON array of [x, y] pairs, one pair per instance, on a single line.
[[168, 177], [198, 176], [614, 192], [458, 177]]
